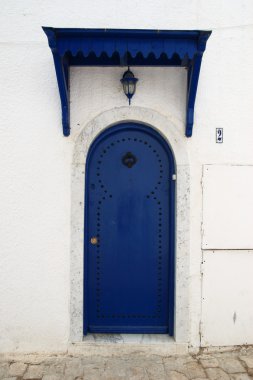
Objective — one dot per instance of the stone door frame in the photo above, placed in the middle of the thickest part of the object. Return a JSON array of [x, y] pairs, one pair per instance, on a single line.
[[182, 243]]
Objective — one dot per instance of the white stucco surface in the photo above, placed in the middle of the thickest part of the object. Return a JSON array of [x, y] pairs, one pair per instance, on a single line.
[[37, 161]]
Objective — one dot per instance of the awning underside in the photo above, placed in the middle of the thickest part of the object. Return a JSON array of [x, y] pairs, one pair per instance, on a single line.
[[95, 59], [111, 47]]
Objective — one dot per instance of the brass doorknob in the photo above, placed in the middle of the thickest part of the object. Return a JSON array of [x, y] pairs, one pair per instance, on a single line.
[[94, 240]]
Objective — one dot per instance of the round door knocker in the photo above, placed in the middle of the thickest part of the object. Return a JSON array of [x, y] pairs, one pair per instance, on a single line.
[[129, 160]]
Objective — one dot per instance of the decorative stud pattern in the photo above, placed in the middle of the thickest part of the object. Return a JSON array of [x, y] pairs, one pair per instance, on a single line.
[[103, 197], [152, 196]]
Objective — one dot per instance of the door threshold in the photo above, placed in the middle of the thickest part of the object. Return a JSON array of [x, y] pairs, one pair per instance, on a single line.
[[108, 345], [128, 338]]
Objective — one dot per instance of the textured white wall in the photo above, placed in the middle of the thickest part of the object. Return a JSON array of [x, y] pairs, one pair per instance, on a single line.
[[36, 158]]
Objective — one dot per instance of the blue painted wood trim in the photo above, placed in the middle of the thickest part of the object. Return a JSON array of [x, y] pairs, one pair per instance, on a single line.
[[131, 330], [62, 74], [187, 46], [192, 83]]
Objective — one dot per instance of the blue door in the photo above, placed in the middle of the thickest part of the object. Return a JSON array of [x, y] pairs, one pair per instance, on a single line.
[[129, 232]]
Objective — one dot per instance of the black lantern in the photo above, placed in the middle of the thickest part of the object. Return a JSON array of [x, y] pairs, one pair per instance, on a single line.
[[129, 84]]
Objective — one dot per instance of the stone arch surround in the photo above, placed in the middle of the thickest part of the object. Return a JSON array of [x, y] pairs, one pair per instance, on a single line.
[[177, 143]]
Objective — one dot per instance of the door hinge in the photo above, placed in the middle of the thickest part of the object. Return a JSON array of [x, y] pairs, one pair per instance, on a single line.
[[174, 177]]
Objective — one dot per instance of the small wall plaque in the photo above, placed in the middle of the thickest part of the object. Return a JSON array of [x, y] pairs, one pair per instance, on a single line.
[[219, 135]]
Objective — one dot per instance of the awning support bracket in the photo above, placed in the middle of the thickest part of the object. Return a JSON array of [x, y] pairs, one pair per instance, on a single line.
[[192, 83]]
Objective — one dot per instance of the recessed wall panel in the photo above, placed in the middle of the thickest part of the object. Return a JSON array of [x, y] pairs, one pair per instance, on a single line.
[[227, 207]]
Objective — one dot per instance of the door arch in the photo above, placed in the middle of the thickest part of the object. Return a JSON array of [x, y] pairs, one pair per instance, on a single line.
[[129, 232]]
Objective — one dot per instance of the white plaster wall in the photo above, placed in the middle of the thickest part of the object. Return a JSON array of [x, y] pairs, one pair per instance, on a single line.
[[36, 158]]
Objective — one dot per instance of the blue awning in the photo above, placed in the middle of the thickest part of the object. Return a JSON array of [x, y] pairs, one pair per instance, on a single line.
[[124, 47]]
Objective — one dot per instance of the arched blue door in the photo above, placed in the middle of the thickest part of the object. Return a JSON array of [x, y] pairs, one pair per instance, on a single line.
[[129, 232]]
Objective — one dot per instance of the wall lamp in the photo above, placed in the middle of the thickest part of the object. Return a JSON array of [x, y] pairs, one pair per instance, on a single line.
[[129, 84]]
